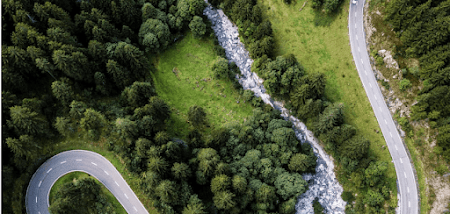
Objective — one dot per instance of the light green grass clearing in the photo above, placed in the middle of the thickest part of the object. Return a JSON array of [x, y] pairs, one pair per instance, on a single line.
[[193, 84], [71, 177], [321, 44]]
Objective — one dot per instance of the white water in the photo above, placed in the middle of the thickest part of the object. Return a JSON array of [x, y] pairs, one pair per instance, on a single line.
[[323, 184]]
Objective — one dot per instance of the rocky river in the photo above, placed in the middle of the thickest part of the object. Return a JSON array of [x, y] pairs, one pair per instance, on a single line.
[[323, 184]]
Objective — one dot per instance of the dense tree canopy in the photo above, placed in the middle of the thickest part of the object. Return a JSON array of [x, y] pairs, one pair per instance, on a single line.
[[423, 29], [81, 196]]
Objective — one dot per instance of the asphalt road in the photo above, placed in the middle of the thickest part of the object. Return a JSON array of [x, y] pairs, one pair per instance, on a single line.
[[403, 166], [37, 196]]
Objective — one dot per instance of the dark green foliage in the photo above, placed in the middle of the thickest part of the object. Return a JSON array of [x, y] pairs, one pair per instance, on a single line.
[[224, 200], [289, 185], [220, 183], [197, 116], [142, 146], [375, 173], [374, 198], [138, 93], [220, 68], [63, 91], [330, 6], [92, 120], [81, 196], [194, 206], [301, 163], [444, 139], [316, 4], [422, 27], [85, 53], [63, 126], [77, 109], [181, 171], [405, 84], [197, 26], [25, 121], [283, 74], [318, 209], [331, 117], [154, 35], [355, 148], [126, 128]]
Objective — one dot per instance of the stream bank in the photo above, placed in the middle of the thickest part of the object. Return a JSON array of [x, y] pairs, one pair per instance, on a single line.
[[323, 184]]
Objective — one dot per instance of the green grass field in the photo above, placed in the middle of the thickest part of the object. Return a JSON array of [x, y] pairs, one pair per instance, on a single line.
[[321, 44], [70, 177], [184, 78]]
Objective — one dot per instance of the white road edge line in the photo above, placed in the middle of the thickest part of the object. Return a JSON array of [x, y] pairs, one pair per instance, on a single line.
[[126, 196], [78, 159], [105, 172], [49, 170], [62, 162], [40, 182], [94, 163], [116, 183]]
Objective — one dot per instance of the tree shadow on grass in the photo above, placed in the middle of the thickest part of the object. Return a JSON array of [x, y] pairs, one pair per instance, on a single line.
[[325, 20]]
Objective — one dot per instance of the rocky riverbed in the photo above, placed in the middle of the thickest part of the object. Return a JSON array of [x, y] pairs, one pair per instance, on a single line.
[[323, 184]]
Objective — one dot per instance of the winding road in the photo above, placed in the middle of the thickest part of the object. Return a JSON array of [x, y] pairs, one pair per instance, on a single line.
[[37, 196], [406, 182]]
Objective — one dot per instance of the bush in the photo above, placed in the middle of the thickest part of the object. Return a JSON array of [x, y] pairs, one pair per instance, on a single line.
[[405, 84], [197, 27], [441, 169], [220, 68], [248, 95], [414, 71], [379, 60]]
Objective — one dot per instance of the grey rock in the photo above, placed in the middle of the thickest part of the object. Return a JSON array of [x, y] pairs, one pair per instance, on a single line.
[[323, 184]]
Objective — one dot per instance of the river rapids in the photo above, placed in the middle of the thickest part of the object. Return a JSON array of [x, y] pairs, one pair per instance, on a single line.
[[323, 184]]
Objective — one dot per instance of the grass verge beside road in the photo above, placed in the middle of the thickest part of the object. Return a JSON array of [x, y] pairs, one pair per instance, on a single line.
[[100, 147], [321, 44], [184, 78]]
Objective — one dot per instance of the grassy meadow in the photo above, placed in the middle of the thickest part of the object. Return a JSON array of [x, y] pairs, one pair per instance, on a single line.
[[184, 78], [321, 44]]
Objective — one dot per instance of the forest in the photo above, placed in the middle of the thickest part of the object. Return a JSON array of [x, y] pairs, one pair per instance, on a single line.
[[422, 27], [285, 78], [81, 69]]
